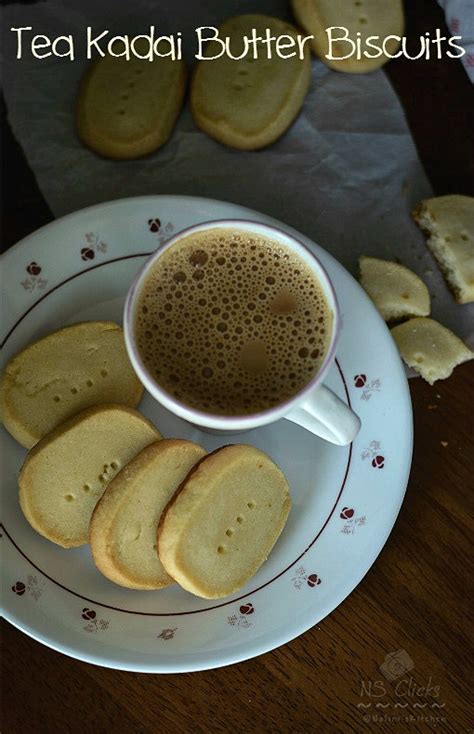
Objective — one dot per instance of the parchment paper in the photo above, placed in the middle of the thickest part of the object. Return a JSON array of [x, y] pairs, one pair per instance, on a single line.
[[346, 174]]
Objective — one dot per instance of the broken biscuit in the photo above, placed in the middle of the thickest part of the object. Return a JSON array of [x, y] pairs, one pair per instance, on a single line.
[[448, 222], [430, 348], [395, 290]]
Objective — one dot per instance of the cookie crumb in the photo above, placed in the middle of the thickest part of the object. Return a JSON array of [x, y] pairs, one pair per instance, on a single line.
[[432, 407], [444, 443]]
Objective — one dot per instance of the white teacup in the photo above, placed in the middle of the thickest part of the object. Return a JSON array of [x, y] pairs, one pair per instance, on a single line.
[[315, 407]]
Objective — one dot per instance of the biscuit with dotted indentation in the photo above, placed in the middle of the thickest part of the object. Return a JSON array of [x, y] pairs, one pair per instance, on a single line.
[[65, 474], [123, 527], [250, 102], [127, 109], [223, 521], [373, 21], [63, 373]]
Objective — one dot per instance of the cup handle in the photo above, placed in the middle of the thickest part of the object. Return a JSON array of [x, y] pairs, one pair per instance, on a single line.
[[325, 415]]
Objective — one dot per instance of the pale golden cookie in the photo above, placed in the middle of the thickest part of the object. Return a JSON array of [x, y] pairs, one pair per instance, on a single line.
[[63, 373], [368, 18], [123, 527], [223, 521], [65, 474], [127, 109], [430, 348], [249, 103], [448, 222], [395, 290]]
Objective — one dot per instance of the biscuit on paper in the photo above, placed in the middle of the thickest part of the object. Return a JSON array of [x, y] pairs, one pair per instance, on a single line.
[[223, 521], [249, 103], [128, 109], [63, 373], [395, 290], [430, 348], [448, 222], [124, 523], [380, 18], [65, 474]]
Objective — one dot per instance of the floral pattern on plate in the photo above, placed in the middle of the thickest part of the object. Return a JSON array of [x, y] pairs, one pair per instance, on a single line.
[[332, 494]]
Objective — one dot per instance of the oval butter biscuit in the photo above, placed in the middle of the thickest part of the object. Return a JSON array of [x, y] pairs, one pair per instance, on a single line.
[[359, 20], [223, 521], [66, 473], [249, 103], [127, 109], [124, 523], [63, 373]]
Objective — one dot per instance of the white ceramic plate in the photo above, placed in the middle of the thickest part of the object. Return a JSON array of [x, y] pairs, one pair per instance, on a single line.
[[345, 499]]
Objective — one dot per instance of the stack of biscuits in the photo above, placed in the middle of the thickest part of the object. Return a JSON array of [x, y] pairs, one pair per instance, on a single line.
[[155, 511]]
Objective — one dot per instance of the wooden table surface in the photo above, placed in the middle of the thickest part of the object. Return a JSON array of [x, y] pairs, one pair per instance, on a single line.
[[415, 597]]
